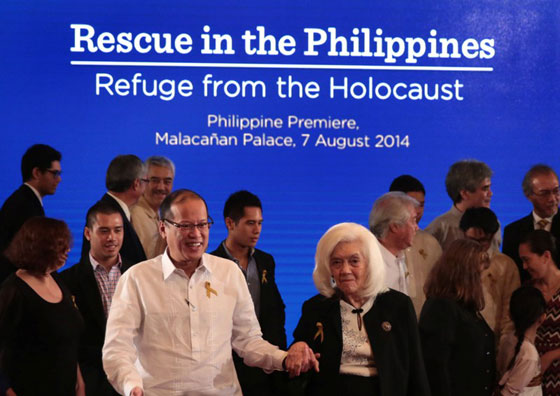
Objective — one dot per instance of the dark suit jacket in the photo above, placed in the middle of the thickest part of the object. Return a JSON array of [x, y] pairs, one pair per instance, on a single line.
[[82, 284], [516, 231], [19, 207], [131, 249], [396, 350], [272, 318], [459, 350]]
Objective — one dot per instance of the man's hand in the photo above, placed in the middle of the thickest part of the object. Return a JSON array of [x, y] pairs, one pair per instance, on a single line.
[[136, 391], [301, 359]]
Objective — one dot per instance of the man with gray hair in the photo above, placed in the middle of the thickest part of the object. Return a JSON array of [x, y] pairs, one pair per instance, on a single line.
[[393, 221], [468, 185], [125, 182], [144, 215], [540, 186]]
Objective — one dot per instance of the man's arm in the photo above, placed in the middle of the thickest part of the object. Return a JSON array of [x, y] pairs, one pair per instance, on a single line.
[[123, 323], [248, 343]]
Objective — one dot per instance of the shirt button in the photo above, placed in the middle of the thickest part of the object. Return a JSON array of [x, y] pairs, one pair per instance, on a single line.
[[487, 371], [485, 388], [194, 309], [487, 353]]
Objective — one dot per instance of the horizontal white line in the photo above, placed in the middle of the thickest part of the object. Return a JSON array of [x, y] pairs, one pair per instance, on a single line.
[[281, 66]]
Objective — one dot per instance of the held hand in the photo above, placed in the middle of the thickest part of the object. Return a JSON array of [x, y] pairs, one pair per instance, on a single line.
[[10, 392], [301, 359], [136, 391]]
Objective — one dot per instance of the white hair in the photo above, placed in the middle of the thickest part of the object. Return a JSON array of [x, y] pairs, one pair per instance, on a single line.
[[349, 232], [390, 208]]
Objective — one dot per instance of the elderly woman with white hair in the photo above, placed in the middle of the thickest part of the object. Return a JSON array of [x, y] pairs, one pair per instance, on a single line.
[[366, 334]]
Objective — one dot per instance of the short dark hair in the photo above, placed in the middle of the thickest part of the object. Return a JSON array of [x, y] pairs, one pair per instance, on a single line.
[[38, 156], [536, 170], [122, 172], [483, 218], [540, 241], [178, 196], [38, 244], [99, 207], [235, 205], [406, 184]]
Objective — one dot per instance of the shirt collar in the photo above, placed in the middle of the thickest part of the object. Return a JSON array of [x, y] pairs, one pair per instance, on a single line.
[[95, 264], [169, 268], [456, 211], [388, 256], [122, 204], [251, 252], [35, 192], [537, 218]]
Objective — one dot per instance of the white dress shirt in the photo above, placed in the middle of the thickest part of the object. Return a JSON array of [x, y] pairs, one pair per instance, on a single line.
[[537, 218], [396, 272], [173, 335]]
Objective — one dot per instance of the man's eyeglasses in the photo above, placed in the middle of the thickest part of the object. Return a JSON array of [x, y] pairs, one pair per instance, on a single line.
[[54, 172], [202, 226], [157, 180], [545, 193]]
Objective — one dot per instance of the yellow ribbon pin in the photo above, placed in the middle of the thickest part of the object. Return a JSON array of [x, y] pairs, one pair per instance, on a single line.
[[74, 302], [319, 332], [423, 253], [209, 289], [263, 277]]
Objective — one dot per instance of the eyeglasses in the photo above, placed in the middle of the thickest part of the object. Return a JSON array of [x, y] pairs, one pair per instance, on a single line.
[[54, 172], [545, 193], [202, 226], [157, 180]]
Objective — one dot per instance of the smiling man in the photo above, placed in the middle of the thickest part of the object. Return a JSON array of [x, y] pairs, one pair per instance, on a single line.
[[144, 215], [468, 185], [243, 217], [176, 318], [540, 186], [92, 282]]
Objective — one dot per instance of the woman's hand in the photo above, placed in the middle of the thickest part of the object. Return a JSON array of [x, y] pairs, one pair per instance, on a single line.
[[548, 358]]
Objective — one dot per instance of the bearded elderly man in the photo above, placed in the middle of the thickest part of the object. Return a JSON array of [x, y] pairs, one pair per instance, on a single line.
[[175, 318]]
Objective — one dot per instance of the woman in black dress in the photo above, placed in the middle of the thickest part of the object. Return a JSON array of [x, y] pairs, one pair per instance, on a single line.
[[457, 343], [39, 324]]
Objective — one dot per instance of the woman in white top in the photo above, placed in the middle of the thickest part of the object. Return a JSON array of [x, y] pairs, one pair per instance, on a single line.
[[523, 377]]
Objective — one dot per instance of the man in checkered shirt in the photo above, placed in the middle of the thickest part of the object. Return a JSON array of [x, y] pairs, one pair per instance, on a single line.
[[93, 282]]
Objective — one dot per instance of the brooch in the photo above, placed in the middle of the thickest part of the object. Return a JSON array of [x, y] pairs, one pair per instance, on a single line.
[[386, 326]]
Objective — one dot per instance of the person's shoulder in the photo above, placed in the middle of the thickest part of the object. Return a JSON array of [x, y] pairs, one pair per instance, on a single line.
[[21, 197], [393, 299], [263, 254], [318, 301], [221, 263], [503, 262], [519, 223], [146, 268]]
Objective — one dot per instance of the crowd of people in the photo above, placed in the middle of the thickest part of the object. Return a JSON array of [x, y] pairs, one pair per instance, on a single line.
[[400, 310]]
